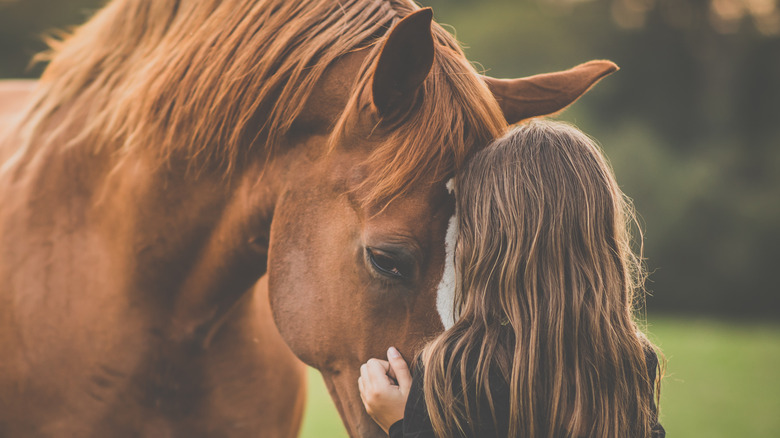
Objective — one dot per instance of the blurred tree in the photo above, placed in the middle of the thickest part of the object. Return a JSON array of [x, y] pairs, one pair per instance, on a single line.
[[23, 25], [691, 124]]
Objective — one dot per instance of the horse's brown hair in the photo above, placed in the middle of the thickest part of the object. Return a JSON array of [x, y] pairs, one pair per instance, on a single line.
[[547, 287], [213, 80]]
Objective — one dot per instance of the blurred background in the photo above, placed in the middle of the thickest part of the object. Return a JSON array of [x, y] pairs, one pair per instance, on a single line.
[[691, 124]]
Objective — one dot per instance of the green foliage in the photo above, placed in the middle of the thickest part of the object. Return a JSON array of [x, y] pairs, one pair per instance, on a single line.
[[690, 123], [24, 24]]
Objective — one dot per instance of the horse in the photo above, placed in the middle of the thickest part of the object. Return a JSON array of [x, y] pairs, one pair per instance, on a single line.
[[173, 153]]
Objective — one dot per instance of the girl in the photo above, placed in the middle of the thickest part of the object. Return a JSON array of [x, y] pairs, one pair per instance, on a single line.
[[546, 344]]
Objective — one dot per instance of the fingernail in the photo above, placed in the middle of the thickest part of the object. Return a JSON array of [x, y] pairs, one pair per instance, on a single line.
[[393, 353]]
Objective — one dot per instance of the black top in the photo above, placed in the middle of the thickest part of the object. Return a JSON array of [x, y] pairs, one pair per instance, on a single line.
[[417, 424]]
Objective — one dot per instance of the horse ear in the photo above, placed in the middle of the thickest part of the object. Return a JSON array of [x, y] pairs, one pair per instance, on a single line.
[[405, 61], [548, 93]]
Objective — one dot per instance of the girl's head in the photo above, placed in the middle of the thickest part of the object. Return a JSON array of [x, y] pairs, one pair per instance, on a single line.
[[547, 282], [544, 232]]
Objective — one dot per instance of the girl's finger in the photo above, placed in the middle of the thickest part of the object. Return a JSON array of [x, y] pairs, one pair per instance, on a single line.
[[385, 365], [400, 368], [379, 379], [377, 369]]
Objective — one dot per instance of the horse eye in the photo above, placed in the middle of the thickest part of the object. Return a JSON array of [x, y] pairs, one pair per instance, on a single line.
[[386, 265]]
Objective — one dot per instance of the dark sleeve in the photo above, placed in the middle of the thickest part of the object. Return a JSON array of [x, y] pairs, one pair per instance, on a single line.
[[397, 429], [652, 365], [416, 423]]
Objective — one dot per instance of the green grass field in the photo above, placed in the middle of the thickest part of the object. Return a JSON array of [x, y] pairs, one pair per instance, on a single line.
[[722, 380]]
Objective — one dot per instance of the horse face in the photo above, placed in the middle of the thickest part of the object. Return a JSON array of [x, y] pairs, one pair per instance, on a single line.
[[346, 284]]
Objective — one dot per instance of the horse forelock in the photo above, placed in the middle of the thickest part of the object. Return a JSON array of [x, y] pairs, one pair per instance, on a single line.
[[455, 116], [188, 78]]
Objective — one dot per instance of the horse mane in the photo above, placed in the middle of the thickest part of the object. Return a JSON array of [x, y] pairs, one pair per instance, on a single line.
[[210, 81]]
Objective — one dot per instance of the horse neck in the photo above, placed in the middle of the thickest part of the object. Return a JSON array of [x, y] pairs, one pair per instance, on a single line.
[[184, 244], [200, 240]]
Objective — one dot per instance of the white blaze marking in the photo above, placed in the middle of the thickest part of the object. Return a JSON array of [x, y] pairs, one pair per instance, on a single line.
[[445, 293]]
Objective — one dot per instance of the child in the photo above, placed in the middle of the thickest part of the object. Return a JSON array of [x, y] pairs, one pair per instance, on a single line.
[[546, 344]]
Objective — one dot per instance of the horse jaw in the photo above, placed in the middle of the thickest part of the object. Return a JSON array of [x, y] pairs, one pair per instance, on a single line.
[[350, 406]]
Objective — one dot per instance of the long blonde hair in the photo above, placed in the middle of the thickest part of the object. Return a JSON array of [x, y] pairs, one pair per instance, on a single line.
[[547, 286]]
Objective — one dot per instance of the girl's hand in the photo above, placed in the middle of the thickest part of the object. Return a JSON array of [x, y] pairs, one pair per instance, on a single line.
[[383, 398]]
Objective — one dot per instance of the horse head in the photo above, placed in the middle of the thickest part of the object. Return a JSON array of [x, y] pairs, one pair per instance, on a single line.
[[357, 244]]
